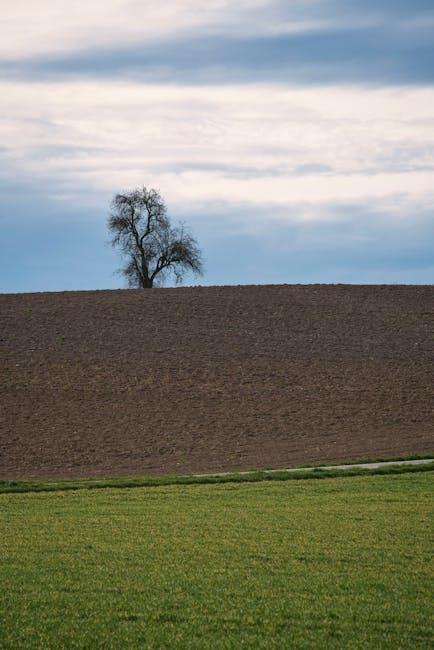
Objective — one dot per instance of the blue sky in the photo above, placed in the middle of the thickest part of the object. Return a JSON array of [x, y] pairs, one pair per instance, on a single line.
[[296, 138]]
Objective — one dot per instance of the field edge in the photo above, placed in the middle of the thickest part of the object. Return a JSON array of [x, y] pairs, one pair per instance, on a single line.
[[254, 476]]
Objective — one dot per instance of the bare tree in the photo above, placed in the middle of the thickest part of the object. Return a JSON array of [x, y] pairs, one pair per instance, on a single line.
[[153, 248]]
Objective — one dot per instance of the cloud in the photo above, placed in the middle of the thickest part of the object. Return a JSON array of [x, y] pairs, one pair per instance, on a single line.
[[259, 144], [31, 29], [196, 42], [370, 55]]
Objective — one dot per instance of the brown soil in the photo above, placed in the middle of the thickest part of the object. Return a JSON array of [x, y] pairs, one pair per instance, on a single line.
[[213, 378]]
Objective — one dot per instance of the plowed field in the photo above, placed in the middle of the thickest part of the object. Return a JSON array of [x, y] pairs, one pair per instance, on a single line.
[[213, 378]]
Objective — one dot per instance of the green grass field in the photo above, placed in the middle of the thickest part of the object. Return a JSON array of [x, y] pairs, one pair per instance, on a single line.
[[340, 562]]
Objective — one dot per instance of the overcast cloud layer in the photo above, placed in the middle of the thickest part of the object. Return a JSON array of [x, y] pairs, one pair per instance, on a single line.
[[296, 138]]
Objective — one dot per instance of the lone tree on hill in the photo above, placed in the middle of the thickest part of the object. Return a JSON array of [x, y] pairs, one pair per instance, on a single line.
[[153, 248]]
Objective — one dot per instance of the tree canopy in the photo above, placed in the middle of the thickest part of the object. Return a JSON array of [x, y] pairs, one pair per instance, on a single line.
[[152, 247]]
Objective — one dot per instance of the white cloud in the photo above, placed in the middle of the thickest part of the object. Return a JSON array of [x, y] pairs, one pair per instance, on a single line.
[[48, 28], [30, 28], [223, 144]]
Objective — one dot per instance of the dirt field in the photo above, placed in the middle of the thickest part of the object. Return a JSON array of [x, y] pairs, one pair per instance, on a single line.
[[213, 378]]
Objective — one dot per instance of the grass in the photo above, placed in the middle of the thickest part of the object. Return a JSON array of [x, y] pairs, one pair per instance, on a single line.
[[41, 485], [304, 564]]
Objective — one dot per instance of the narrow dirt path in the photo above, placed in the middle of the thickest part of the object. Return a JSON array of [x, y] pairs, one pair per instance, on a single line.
[[421, 461]]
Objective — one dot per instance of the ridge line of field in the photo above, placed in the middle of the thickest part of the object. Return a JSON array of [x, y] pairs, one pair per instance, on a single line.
[[391, 468]]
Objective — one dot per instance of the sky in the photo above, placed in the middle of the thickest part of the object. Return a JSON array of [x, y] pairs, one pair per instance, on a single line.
[[295, 138]]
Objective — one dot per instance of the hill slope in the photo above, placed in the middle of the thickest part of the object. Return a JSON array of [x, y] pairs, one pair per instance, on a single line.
[[213, 378]]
